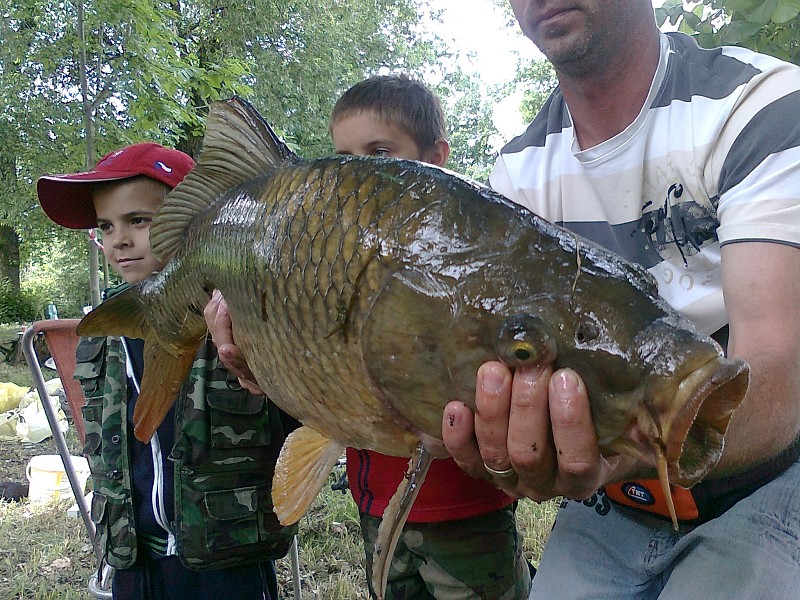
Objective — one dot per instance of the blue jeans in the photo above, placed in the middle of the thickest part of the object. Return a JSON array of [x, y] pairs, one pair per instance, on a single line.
[[602, 551]]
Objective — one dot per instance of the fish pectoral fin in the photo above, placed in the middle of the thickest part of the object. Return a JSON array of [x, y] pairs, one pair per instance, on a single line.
[[663, 477], [119, 315], [305, 461], [163, 377], [394, 518], [165, 371], [625, 446]]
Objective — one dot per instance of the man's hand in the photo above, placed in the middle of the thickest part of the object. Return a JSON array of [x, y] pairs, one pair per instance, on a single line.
[[537, 423], [218, 320]]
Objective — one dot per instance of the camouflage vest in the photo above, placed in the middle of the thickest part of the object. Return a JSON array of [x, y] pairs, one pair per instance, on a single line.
[[227, 442]]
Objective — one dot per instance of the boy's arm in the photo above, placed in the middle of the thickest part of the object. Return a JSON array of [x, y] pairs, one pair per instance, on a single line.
[[218, 320]]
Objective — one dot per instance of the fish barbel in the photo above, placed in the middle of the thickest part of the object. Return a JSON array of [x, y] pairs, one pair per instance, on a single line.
[[365, 293]]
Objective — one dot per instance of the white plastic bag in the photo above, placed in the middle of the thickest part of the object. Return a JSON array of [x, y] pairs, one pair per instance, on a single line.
[[33, 425], [8, 425], [11, 395]]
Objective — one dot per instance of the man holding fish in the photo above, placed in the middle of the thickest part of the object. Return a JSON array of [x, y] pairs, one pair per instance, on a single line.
[[688, 162]]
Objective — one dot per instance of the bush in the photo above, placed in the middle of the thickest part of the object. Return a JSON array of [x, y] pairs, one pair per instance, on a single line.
[[16, 305], [58, 273]]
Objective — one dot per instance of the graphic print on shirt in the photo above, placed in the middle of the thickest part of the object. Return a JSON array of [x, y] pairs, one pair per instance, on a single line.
[[676, 228]]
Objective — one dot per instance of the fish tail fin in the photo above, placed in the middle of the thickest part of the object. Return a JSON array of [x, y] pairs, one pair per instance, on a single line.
[[238, 145], [394, 518], [305, 461], [123, 315]]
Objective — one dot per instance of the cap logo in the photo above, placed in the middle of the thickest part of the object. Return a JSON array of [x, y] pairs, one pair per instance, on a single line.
[[162, 166]]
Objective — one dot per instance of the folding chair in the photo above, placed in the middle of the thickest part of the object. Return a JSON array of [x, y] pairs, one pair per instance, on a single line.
[[62, 341]]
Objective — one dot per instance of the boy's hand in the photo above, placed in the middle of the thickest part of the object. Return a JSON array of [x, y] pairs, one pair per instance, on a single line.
[[218, 320]]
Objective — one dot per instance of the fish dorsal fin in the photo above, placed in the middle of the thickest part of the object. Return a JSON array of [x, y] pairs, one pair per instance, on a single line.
[[238, 145], [303, 466], [394, 518]]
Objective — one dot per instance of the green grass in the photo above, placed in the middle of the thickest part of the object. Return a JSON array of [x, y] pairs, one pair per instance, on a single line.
[[43, 553], [46, 555]]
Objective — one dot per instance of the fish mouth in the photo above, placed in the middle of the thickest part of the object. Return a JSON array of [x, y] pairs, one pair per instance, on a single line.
[[692, 434]]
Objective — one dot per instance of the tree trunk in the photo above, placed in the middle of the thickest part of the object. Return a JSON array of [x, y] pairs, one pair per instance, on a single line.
[[88, 124], [9, 255]]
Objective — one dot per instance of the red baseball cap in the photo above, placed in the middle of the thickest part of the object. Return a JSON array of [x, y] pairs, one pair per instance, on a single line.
[[67, 199]]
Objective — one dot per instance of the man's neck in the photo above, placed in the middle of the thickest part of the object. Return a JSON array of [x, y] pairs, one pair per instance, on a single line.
[[602, 104]]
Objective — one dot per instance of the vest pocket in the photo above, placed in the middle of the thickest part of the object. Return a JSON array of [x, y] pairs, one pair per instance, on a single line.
[[233, 518], [220, 525], [92, 413], [114, 535], [88, 370], [238, 419]]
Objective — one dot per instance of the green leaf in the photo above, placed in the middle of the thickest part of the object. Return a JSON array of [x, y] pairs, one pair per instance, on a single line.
[[738, 33], [786, 11], [746, 6], [762, 14]]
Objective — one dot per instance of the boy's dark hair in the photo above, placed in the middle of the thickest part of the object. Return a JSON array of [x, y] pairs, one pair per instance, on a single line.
[[399, 100]]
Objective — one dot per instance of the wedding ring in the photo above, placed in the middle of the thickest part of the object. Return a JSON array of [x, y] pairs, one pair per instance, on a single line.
[[504, 474]]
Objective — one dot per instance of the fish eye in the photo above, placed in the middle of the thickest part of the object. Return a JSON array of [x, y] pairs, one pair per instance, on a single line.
[[524, 340], [586, 331]]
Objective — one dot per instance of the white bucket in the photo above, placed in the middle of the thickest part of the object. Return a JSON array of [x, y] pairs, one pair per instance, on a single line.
[[48, 479]]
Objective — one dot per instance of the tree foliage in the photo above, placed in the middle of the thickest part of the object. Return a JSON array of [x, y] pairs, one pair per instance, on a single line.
[[153, 67], [538, 79], [470, 127], [768, 26]]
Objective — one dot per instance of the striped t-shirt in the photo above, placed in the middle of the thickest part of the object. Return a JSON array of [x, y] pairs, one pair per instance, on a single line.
[[713, 158]]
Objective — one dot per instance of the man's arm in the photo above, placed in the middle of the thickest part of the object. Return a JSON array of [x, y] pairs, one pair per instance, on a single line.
[[761, 283]]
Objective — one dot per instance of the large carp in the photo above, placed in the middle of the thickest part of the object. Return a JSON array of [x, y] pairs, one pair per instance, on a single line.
[[366, 292]]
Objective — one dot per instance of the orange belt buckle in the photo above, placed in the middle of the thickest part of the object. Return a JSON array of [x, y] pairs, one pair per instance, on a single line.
[[646, 495]]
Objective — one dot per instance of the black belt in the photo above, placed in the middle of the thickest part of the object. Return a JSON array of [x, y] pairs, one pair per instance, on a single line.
[[708, 499]]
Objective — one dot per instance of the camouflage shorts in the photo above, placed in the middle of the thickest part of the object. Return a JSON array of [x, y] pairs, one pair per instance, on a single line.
[[470, 559]]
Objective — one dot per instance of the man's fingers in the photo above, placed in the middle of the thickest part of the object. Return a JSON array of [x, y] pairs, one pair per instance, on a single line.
[[218, 320], [529, 435], [574, 435], [493, 405], [458, 434]]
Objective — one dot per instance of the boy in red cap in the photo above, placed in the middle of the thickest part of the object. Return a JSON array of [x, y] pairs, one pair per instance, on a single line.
[[154, 504]]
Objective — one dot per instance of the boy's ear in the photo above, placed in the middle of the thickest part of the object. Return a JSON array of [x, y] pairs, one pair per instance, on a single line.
[[439, 154]]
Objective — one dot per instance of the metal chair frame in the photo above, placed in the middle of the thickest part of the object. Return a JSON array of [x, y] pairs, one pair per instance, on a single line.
[[100, 582]]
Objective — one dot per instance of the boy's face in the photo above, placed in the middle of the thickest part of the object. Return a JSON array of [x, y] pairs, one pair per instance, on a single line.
[[364, 134], [124, 213]]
